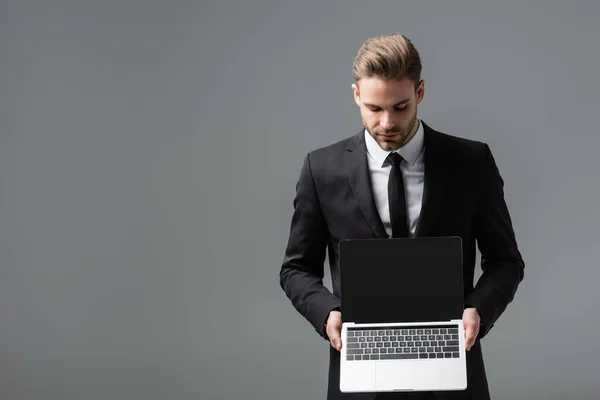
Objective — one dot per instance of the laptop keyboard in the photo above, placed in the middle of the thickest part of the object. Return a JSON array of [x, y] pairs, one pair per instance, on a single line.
[[413, 343]]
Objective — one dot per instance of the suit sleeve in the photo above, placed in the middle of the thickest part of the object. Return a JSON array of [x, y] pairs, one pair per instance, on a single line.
[[501, 261], [301, 275]]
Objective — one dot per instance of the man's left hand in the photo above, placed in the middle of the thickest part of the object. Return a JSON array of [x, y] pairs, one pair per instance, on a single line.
[[471, 322]]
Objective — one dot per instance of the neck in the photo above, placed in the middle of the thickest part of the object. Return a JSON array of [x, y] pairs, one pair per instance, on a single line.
[[413, 132]]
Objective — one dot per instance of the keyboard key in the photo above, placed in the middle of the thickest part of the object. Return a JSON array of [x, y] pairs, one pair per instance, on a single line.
[[350, 333], [393, 338], [358, 333], [350, 358], [385, 338], [389, 333], [441, 343], [428, 331], [357, 358], [411, 331], [394, 344], [439, 355], [435, 331], [383, 351], [450, 349], [375, 351], [406, 350], [454, 337], [434, 343], [455, 355], [430, 350], [405, 332], [400, 338], [432, 355], [353, 345], [381, 333], [447, 337], [426, 344], [378, 345], [438, 349], [419, 331], [363, 345], [431, 337], [443, 331], [402, 344], [439, 337], [368, 351], [352, 340], [452, 343], [369, 339], [399, 356], [397, 332], [422, 350], [423, 337], [447, 355], [354, 351], [374, 356], [387, 344], [371, 345], [414, 350], [416, 337], [423, 355], [410, 344], [398, 350], [378, 338], [452, 330]]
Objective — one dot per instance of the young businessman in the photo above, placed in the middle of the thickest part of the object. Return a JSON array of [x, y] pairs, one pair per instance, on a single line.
[[398, 177]]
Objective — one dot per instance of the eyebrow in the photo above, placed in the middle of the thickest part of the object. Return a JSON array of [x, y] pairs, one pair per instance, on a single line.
[[395, 105]]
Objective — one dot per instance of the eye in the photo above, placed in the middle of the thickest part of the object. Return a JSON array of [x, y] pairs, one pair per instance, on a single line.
[[400, 108], [375, 109]]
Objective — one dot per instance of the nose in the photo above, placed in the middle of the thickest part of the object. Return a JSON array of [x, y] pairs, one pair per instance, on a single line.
[[386, 121]]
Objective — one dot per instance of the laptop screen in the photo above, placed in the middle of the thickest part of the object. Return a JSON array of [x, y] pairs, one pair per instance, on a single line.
[[401, 280]]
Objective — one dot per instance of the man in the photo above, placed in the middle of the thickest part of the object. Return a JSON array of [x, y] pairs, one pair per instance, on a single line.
[[399, 177]]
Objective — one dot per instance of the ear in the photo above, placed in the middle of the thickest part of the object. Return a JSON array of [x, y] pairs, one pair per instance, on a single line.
[[356, 94], [420, 91]]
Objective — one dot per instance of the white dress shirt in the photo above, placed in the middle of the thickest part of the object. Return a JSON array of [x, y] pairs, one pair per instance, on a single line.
[[413, 171]]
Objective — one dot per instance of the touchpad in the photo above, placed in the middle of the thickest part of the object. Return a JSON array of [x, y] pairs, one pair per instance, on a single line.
[[394, 376]]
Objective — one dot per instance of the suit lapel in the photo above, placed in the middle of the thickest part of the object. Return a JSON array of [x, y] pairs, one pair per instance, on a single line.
[[360, 181], [435, 181], [436, 173]]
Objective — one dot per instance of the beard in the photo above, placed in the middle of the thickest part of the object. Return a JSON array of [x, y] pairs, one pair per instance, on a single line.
[[393, 139]]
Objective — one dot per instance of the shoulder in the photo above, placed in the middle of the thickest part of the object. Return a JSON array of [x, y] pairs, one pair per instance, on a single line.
[[456, 147], [330, 156]]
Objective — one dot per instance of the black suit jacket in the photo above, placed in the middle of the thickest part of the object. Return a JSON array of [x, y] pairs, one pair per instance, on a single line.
[[463, 196]]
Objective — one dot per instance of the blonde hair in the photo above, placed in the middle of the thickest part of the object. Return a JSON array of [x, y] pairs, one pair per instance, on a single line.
[[390, 57]]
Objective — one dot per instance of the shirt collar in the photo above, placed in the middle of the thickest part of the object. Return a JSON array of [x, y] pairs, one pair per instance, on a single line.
[[410, 151]]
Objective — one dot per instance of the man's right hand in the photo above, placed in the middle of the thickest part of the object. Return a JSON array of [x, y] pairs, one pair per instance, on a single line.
[[333, 327]]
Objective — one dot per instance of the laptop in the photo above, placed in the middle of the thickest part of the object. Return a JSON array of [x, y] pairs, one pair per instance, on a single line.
[[402, 305]]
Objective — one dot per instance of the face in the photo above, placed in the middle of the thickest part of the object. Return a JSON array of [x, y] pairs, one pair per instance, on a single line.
[[389, 109]]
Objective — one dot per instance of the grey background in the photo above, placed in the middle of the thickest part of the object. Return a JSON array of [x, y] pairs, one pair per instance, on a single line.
[[148, 157]]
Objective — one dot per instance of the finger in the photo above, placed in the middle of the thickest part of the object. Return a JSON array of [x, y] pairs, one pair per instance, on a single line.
[[335, 338], [470, 335]]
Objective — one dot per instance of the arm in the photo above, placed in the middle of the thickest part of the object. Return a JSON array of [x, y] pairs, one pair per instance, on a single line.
[[301, 275], [501, 260]]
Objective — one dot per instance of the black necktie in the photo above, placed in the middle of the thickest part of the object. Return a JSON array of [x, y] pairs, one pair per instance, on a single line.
[[397, 199]]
